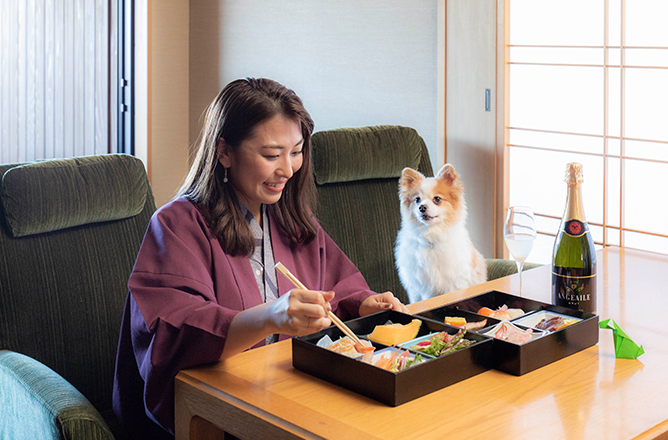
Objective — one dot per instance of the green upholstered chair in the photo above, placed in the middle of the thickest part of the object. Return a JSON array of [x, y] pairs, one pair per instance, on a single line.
[[357, 176], [70, 231]]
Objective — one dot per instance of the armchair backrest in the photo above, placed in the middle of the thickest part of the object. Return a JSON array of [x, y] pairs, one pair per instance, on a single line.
[[357, 174], [70, 231]]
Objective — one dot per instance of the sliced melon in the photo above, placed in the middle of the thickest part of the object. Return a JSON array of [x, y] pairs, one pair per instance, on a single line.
[[394, 334]]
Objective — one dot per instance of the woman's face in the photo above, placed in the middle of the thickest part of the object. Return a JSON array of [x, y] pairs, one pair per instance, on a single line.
[[259, 169]]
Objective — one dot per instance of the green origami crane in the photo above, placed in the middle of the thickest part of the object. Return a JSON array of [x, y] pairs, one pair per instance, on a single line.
[[625, 348]]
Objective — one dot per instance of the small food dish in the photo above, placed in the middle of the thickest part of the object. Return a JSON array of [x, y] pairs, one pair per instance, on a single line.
[[395, 359], [503, 313], [346, 347], [454, 316], [417, 340], [546, 320], [442, 343], [509, 332], [460, 321]]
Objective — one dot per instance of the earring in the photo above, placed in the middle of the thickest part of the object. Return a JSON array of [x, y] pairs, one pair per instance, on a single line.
[[225, 180]]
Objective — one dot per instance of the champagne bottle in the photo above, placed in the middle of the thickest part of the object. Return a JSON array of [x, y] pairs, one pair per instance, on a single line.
[[574, 256]]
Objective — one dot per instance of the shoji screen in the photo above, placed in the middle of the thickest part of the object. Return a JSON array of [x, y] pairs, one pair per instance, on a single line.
[[588, 83]]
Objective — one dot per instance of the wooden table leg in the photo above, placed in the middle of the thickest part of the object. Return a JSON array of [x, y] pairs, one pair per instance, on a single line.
[[202, 429]]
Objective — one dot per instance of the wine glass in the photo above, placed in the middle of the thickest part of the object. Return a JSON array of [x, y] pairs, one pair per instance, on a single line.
[[519, 233]]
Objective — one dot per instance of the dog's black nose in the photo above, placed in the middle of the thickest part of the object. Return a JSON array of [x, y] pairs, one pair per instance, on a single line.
[[423, 208]]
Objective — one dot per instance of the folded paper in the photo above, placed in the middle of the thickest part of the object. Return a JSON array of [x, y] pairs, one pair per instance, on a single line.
[[625, 348]]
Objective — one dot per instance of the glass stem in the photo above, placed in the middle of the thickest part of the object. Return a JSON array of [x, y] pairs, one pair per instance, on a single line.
[[520, 265]]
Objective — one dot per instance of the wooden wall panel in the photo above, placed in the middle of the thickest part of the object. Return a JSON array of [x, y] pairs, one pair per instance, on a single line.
[[471, 57]]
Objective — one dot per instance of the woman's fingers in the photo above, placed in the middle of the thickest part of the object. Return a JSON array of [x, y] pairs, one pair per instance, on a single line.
[[317, 324], [312, 296], [308, 310], [394, 301], [379, 302]]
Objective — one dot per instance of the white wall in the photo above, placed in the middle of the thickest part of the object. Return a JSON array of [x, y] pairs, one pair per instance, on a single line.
[[353, 63]]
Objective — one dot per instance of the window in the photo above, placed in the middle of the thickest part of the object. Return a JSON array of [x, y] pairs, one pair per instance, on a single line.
[[59, 79], [588, 82]]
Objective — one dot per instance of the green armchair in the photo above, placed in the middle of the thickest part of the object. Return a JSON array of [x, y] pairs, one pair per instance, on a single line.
[[69, 235], [357, 175]]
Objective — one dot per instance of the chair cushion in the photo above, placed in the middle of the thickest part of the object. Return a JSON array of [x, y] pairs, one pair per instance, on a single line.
[[351, 154], [38, 403], [51, 195]]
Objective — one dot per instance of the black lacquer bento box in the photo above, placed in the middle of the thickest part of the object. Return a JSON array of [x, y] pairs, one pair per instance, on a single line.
[[487, 352], [391, 388], [544, 348]]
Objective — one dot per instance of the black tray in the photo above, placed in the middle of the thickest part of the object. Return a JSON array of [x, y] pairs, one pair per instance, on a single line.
[[519, 359], [391, 388]]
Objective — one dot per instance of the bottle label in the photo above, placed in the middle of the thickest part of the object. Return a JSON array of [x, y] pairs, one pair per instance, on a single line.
[[575, 228], [574, 288]]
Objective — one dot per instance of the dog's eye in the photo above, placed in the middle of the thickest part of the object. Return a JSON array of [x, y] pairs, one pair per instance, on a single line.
[[437, 200], [417, 199]]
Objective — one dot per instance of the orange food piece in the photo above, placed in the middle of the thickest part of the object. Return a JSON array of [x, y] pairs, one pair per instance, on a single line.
[[365, 349], [393, 334], [494, 313], [384, 363], [455, 320], [486, 311]]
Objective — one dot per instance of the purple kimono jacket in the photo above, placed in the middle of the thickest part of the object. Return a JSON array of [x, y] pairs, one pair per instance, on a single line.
[[183, 293]]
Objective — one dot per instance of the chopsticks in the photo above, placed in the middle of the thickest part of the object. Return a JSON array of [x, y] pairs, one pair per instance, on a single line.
[[335, 319], [344, 328]]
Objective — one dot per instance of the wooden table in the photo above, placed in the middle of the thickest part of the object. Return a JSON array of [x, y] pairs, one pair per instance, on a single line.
[[588, 395]]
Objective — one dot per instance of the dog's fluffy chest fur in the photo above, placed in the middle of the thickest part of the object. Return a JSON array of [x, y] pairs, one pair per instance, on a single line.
[[434, 253], [434, 263]]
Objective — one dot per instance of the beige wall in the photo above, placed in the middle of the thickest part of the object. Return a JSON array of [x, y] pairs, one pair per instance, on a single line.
[[162, 93]]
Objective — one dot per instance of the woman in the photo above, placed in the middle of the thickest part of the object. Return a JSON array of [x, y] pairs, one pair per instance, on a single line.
[[204, 286]]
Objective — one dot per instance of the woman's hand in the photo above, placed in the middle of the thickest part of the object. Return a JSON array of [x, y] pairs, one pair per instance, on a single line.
[[301, 312], [297, 313], [380, 302]]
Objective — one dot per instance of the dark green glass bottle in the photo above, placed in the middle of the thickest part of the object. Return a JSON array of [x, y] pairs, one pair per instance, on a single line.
[[574, 256]]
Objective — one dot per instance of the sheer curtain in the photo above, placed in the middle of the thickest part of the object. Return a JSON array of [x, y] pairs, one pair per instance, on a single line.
[[57, 78]]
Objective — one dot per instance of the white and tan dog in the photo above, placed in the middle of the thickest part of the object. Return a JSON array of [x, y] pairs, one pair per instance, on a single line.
[[434, 253]]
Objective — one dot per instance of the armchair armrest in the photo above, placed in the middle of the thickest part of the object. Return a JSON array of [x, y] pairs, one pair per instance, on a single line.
[[36, 402], [497, 268]]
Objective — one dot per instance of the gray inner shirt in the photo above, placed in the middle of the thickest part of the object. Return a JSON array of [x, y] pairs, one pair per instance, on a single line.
[[262, 259]]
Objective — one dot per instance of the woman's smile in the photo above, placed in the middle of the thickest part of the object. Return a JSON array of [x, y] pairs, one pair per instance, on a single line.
[[278, 187]]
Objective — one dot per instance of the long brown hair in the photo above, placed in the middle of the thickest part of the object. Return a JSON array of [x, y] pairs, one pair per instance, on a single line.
[[233, 116]]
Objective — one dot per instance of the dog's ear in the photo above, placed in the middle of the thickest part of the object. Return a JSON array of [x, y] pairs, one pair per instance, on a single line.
[[447, 174], [409, 178]]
